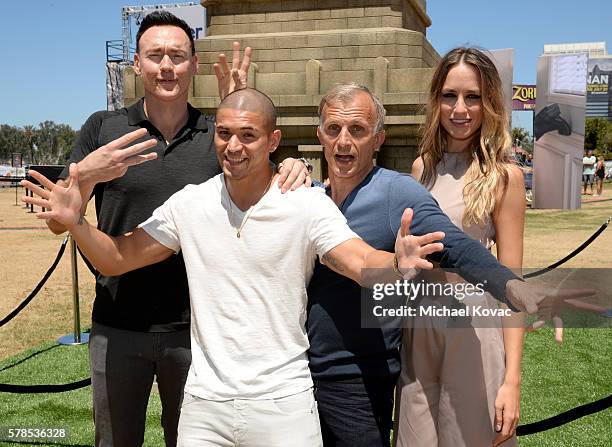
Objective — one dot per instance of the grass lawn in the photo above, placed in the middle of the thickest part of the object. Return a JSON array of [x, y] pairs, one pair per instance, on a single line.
[[54, 364], [558, 378], [549, 387], [555, 378]]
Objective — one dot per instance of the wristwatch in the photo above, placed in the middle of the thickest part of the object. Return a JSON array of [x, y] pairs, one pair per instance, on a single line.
[[410, 274], [309, 166]]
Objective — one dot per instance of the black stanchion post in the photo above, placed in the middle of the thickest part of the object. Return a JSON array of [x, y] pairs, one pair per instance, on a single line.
[[27, 193], [31, 193], [78, 337]]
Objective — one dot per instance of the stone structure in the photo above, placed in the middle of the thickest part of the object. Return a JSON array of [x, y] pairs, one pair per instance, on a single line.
[[304, 47]]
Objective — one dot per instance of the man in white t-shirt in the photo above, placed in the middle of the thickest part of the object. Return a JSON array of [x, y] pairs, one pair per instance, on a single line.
[[249, 253], [588, 170]]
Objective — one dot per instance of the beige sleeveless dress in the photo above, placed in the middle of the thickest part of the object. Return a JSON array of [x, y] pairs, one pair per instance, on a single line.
[[450, 375]]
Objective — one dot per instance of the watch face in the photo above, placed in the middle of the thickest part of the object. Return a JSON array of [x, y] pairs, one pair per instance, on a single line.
[[309, 166]]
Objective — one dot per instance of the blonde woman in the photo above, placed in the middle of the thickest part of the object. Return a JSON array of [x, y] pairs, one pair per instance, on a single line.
[[461, 386]]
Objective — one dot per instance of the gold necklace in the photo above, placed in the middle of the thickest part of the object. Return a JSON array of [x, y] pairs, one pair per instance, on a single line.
[[248, 214]]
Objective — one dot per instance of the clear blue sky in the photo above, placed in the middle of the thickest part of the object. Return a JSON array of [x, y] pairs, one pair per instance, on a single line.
[[54, 51]]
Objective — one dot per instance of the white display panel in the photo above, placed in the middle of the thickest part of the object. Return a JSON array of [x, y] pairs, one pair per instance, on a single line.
[[568, 74]]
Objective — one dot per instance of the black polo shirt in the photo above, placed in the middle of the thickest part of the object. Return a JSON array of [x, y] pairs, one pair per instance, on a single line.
[[154, 298]]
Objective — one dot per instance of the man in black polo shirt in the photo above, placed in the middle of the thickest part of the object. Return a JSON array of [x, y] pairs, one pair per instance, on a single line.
[[141, 319]]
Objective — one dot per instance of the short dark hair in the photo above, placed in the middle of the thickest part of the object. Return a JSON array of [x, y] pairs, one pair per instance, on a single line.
[[163, 18]]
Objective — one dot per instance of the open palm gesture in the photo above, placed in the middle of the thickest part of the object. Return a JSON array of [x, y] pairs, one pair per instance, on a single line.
[[411, 251], [62, 203]]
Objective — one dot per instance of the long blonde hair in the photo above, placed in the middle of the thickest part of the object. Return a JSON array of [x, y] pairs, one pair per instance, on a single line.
[[490, 144]]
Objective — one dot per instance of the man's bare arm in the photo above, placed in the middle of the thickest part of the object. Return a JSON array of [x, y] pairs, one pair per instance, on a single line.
[[354, 258], [111, 256], [351, 257]]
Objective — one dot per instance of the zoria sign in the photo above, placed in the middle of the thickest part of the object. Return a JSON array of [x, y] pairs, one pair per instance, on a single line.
[[523, 97]]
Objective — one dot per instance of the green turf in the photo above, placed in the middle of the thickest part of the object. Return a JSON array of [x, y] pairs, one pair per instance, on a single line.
[[52, 364], [555, 379], [558, 378], [589, 217]]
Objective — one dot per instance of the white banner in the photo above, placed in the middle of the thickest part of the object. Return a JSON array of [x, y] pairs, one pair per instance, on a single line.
[[194, 15], [504, 62]]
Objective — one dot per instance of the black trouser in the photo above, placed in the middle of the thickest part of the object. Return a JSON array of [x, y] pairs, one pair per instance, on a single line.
[[356, 412], [123, 365]]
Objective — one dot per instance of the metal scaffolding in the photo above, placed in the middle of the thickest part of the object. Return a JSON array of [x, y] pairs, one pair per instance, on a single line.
[[138, 12]]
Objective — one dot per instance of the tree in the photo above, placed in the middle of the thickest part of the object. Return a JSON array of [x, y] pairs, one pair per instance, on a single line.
[[30, 139], [595, 132], [522, 138], [53, 142], [9, 142], [598, 136], [66, 137], [606, 151], [12, 139]]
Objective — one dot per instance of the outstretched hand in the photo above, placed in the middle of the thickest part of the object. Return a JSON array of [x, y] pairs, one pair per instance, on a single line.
[[529, 298], [551, 310], [62, 203], [235, 78], [411, 251]]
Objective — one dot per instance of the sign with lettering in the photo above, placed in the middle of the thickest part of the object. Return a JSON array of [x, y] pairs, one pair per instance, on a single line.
[[16, 159], [598, 94], [523, 97]]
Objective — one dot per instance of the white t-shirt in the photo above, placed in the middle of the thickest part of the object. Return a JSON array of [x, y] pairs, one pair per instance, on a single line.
[[248, 294], [589, 165]]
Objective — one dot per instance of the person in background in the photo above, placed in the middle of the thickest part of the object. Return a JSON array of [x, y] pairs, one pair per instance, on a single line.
[[460, 386], [600, 175], [588, 170]]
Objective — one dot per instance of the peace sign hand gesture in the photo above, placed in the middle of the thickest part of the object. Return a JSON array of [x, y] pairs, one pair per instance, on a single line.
[[237, 77]]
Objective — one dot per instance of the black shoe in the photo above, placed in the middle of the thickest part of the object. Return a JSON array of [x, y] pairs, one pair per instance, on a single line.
[[549, 119]]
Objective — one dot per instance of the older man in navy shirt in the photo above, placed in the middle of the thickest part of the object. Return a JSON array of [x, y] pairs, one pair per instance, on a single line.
[[355, 369]]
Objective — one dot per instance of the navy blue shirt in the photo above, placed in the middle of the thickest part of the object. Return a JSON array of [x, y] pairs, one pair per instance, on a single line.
[[339, 347]]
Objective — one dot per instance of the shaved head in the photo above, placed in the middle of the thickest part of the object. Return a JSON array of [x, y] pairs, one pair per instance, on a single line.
[[254, 101]]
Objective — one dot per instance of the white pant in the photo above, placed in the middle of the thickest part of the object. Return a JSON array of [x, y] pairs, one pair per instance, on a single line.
[[291, 420]]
